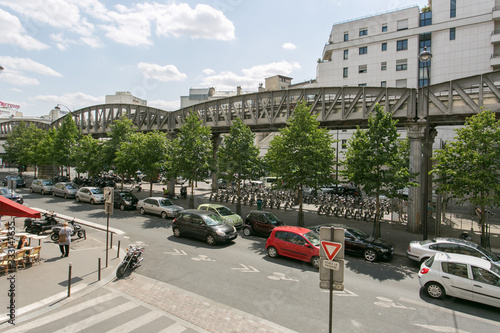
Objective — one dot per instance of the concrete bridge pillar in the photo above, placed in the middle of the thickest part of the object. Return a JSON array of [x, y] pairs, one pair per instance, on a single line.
[[416, 135], [216, 141]]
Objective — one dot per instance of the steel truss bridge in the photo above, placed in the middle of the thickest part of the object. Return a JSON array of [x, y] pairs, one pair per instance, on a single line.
[[447, 103]]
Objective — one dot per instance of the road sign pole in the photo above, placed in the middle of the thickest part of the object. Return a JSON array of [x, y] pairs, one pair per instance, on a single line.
[[330, 321]]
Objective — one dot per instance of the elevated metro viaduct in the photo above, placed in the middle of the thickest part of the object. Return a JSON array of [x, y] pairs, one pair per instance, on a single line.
[[447, 103]]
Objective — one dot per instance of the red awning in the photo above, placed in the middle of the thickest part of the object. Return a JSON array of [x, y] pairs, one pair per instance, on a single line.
[[11, 208]]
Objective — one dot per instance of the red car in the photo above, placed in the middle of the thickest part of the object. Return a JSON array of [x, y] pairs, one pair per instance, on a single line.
[[294, 242]]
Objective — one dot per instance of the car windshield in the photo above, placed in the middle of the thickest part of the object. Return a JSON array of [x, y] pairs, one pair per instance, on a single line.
[[96, 191], [127, 196], [224, 211], [3, 191], [213, 219], [273, 219], [47, 182], [312, 237], [71, 186], [358, 233], [166, 202]]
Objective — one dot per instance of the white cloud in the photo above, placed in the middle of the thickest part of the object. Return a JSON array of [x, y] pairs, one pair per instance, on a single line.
[[251, 77], [165, 105], [74, 101], [13, 33], [288, 46], [161, 73], [27, 64], [208, 71]]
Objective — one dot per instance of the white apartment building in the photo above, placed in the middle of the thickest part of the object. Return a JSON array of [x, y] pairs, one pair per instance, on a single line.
[[382, 50], [124, 97]]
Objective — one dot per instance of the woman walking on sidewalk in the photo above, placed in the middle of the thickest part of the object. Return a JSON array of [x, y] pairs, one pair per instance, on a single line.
[[65, 239]]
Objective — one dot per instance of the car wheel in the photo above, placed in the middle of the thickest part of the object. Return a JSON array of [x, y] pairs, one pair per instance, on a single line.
[[177, 232], [122, 207], [92, 202], [43, 192], [31, 190], [370, 255], [77, 198], [315, 262], [142, 211], [53, 194], [434, 290], [65, 195], [164, 215], [272, 252], [247, 231], [211, 239]]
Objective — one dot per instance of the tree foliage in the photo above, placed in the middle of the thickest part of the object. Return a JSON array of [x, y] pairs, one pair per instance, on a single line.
[[191, 156], [468, 168], [302, 154], [377, 160], [239, 158], [86, 156], [65, 140], [121, 130]]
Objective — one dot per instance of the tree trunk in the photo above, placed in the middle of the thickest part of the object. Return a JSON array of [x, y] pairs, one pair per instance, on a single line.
[[484, 242], [301, 212], [191, 199], [238, 198], [376, 223]]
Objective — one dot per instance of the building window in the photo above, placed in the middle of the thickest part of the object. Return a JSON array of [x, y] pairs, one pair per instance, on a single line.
[[384, 27], [402, 45], [344, 144], [453, 8], [452, 34], [425, 19], [362, 85], [363, 32], [346, 36], [401, 83], [383, 66], [384, 46], [346, 54], [362, 69], [345, 72], [403, 24], [401, 65], [383, 84], [363, 50]]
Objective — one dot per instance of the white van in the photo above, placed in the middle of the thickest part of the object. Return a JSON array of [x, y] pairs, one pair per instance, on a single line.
[[269, 181]]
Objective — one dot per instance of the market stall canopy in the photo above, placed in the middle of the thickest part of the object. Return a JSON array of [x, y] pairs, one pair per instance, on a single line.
[[11, 208]]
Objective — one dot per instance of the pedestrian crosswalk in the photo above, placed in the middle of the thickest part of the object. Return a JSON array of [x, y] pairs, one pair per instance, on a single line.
[[103, 311]]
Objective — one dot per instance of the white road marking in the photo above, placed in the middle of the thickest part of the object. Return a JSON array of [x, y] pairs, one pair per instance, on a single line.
[[177, 253], [136, 323], [442, 328], [246, 269], [389, 303], [345, 293], [202, 257], [280, 276]]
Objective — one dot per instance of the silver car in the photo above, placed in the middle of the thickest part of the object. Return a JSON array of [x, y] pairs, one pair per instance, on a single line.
[[159, 206], [94, 195], [64, 189], [422, 250], [43, 186]]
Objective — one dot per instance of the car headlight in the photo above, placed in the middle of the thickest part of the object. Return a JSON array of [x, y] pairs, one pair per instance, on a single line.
[[384, 250], [220, 232]]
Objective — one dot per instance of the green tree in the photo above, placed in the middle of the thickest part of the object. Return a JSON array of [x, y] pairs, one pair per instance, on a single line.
[[302, 154], [239, 157], [86, 156], [67, 135], [121, 130], [377, 160], [468, 168], [191, 156]]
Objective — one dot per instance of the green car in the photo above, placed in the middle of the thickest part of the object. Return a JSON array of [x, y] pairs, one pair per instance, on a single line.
[[227, 214]]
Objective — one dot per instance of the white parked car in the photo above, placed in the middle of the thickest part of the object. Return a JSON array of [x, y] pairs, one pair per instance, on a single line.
[[159, 206], [422, 250], [461, 276], [94, 195], [43, 186]]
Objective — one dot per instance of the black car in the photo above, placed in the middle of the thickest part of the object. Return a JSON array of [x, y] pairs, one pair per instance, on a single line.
[[18, 181], [359, 243], [125, 200], [12, 195], [260, 222], [344, 190], [205, 225]]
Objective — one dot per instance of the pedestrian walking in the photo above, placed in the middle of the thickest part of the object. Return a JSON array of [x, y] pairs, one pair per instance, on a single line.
[[65, 239]]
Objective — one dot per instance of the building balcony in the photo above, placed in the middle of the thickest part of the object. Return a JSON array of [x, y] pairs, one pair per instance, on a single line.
[[495, 37], [495, 60], [496, 13]]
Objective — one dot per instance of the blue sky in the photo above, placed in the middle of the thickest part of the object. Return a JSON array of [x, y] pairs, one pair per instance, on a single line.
[[75, 52]]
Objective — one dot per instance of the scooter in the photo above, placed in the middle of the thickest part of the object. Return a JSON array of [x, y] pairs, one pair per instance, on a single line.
[[131, 260], [38, 226], [77, 230]]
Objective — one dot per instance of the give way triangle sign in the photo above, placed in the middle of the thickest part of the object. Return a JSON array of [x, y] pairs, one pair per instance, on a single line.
[[331, 249]]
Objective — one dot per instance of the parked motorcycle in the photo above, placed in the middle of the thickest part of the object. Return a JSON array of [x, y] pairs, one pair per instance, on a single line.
[[38, 226], [131, 260], [77, 230]]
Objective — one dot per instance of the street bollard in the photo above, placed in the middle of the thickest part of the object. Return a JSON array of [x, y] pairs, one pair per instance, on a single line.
[[118, 251], [98, 269], [69, 280], [111, 243]]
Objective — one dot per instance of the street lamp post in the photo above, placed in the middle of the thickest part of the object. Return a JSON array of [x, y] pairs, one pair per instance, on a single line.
[[1, 68], [425, 57]]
